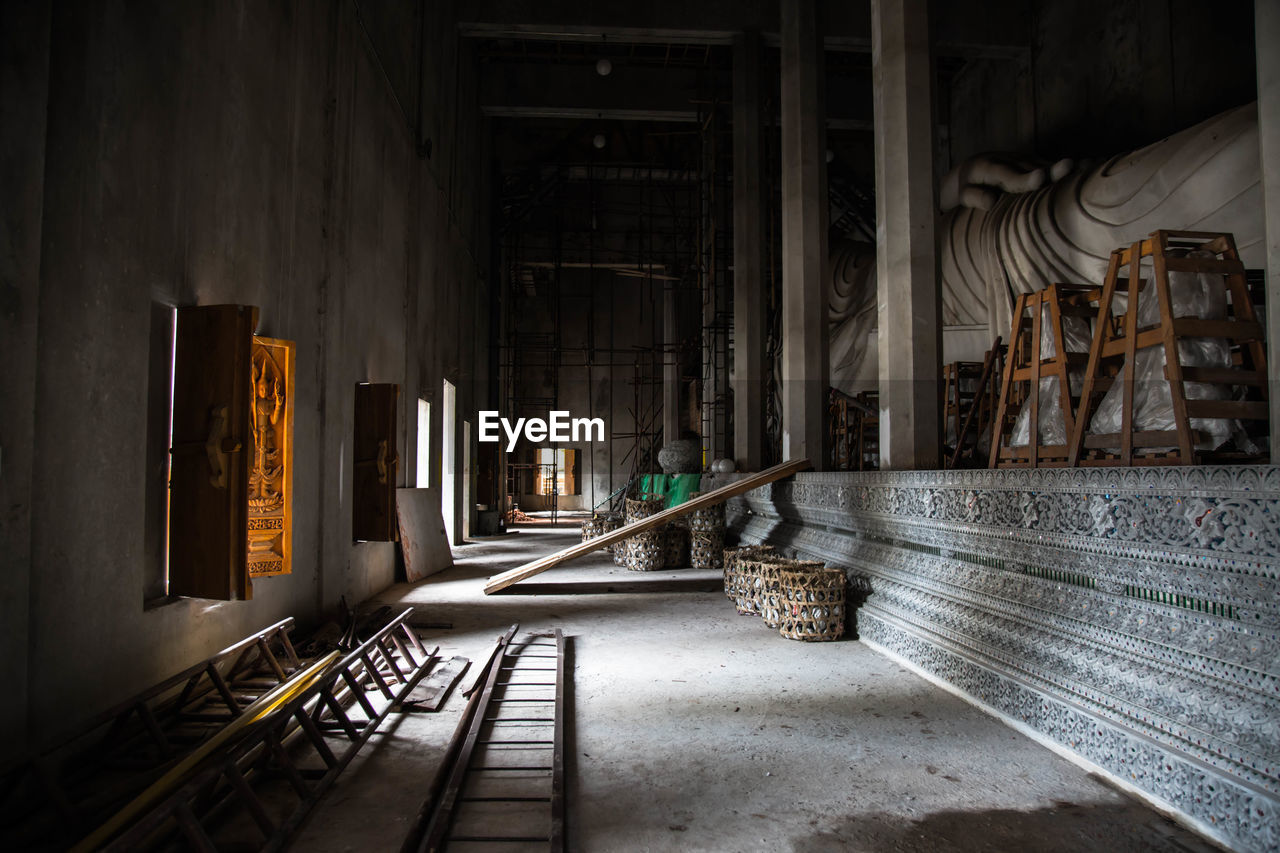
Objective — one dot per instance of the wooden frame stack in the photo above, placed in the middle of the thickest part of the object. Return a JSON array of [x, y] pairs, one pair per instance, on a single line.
[[1026, 365], [977, 417], [843, 420], [963, 384], [867, 455], [1115, 346]]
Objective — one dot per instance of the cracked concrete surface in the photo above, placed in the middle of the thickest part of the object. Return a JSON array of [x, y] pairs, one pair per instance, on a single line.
[[696, 729]]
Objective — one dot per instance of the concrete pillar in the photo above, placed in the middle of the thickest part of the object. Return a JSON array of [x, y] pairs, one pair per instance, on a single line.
[[670, 365], [804, 236], [749, 242], [908, 298], [1266, 37]]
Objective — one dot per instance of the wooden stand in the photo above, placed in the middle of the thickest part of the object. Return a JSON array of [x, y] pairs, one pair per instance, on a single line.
[[977, 416], [1026, 366], [1116, 344], [959, 383], [855, 431], [867, 456], [843, 417]]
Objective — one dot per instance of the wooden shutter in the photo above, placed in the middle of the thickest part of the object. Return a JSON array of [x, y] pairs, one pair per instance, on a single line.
[[209, 474], [270, 530], [373, 486], [571, 472]]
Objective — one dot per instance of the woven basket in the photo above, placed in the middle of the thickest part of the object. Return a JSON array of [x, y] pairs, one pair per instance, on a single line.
[[592, 527], [812, 604], [706, 549], [708, 518], [733, 558], [611, 523], [768, 586], [744, 590], [637, 553], [644, 506], [675, 542], [646, 551]]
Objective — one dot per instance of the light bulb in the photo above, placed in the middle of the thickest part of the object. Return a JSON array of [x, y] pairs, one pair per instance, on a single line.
[[603, 67]]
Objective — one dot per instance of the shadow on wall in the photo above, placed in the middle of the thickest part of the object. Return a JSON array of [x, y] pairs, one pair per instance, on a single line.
[[1063, 827]]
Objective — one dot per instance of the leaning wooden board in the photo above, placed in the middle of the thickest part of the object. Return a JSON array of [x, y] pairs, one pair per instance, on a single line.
[[746, 484]]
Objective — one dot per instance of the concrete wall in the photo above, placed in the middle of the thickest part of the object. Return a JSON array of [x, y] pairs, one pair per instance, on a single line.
[[1103, 76], [24, 82], [194, 154]]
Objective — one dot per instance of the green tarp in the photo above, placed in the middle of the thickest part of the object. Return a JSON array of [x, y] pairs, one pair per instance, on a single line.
[[676, 488]]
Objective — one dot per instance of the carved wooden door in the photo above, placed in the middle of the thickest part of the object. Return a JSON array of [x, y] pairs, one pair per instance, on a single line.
[[373, 486]]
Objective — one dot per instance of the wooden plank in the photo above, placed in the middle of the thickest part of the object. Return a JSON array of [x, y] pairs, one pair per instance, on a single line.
[[1234, 330], [1223, 375], [557, 757], [422, 537], [528, 570], [1251, 410], [430, 693], [656, 586]]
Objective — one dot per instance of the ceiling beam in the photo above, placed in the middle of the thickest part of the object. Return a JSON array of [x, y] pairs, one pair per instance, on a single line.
[[962, 28]]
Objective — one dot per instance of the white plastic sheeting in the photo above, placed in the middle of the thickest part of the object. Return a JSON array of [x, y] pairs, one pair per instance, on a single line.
[[1201, 295], [1051, 425]]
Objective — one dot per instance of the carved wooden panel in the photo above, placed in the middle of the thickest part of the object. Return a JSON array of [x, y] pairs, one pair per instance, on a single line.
[[270, 524], [209, 473], [377, 460]]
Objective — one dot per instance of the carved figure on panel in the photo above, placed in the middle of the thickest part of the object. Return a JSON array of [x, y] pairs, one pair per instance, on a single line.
[[271, 420]]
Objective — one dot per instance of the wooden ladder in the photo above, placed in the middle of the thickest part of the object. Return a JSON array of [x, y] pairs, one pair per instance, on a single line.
[[982, 407], [959, 391], [1118, 341], [1026, 365], [868, 443]]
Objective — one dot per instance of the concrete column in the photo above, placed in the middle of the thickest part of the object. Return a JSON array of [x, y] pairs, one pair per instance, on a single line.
[[804, 236], [670, 365], [749, 242], [1266, 36], [908, 303]]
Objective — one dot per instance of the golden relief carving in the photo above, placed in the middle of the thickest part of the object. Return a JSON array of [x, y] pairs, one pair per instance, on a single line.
[[271, 465]]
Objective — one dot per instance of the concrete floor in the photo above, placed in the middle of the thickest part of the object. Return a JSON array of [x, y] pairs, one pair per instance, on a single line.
[[696, 729]]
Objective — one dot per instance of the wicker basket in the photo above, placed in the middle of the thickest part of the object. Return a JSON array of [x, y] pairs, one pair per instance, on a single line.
[[748, 581], [611, 523], [708, 518], [644, 506], [643, 551], [593, 527], [675, 542], [706, 549], [768, 586], [733, 558], [646, 551], [813, 604]]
